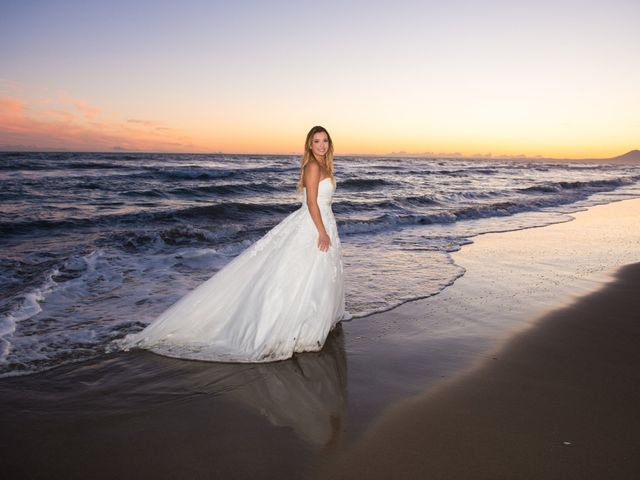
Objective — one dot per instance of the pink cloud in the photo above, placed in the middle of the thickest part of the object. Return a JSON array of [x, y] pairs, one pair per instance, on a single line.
[[10, 106], [62, 115], [75, 125], [146, 123], [88, 111]]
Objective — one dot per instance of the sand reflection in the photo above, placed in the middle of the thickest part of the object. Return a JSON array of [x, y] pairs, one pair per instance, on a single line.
[[306, 393]]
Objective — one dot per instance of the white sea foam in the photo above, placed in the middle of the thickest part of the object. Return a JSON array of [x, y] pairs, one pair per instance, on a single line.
[[399, 220]]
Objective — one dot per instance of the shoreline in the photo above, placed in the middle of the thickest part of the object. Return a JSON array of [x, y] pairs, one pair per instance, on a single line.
[[558, 400], [548, 267], [113, 415]]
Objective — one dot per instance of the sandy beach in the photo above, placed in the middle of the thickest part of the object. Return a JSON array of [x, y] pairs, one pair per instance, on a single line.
[[445, 201], [557, 401], [525, 368]]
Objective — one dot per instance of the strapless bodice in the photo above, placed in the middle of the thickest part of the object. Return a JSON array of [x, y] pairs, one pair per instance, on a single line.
[[325, 193]]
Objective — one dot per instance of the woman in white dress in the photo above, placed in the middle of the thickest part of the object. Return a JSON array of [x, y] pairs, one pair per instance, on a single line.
[[282, 295]]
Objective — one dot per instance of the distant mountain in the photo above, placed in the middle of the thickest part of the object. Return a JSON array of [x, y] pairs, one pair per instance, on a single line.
[[632, 156]]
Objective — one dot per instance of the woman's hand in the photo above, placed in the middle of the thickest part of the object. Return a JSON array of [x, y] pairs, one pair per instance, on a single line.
[[324, 242]]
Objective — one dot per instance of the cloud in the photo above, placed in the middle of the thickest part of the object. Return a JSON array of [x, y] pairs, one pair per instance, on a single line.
[[88, 111], [9, 87], [146, 123], [72, 124]]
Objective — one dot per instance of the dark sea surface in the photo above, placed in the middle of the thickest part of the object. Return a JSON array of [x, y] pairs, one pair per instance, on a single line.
[[94, 246]]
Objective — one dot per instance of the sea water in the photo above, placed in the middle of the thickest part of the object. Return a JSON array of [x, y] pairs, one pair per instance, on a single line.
[[94, 246]]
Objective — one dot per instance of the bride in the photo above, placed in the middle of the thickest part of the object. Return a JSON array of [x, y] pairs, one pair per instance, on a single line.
[[281, 295]]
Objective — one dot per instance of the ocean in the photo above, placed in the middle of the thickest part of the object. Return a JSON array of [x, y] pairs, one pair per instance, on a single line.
[[95, 245]]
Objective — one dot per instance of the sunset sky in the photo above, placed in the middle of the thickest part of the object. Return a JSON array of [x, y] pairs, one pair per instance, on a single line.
[[536, 78]]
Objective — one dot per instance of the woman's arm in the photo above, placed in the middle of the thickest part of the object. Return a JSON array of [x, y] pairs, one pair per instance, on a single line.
[[311, 181]]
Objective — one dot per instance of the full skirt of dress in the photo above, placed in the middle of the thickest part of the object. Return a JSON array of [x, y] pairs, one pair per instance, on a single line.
[[279, 296]]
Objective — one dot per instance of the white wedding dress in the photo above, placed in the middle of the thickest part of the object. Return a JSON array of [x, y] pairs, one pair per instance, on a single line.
[[279, 296]]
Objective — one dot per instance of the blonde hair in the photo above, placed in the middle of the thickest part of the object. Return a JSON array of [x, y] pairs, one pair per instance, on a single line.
[[308, 156]]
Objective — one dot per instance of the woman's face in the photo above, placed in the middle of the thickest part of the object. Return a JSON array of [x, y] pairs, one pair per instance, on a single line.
[[319, 144]]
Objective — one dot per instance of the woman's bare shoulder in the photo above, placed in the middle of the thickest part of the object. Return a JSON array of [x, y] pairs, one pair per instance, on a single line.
[[313, 170], [313, 167]]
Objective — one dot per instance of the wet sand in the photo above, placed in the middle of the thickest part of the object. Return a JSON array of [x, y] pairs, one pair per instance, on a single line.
[[480, 381], [560, 400]]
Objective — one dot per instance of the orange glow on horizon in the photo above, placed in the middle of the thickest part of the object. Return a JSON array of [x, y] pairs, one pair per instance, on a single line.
[[68, 123], [496, 79]]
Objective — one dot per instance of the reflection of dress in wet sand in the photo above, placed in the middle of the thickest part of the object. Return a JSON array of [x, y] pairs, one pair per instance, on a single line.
[[280, 296], [306, 393], [205, 411]]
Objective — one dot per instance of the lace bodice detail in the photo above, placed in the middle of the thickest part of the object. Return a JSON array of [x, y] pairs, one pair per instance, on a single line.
[[278, 235]]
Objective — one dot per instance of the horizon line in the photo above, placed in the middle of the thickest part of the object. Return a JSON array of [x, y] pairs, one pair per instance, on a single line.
[[399, 154]]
